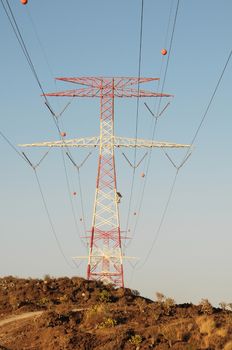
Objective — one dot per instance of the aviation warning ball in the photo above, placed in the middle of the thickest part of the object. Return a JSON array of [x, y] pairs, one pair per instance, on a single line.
[[164, 52], [74, 193], [63, 134], [24, 2]]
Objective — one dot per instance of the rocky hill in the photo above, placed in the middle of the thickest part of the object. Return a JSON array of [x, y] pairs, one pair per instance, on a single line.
[[72, 313]]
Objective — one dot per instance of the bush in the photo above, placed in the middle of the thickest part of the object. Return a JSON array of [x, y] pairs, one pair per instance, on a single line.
[[206, 307], [104, 296], [168, 305], [43, 301], [135, 339], [223, 305], [135, 292], [96, 315], [47, 277], [107, 323], [160, 297]]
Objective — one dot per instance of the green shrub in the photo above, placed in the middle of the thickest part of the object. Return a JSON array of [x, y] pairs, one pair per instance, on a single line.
[[43, 301], [135, 339], [104, 296], [107, 323], [96, 315]]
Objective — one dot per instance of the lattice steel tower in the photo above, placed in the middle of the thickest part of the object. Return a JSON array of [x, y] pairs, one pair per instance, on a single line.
[[105, 259]]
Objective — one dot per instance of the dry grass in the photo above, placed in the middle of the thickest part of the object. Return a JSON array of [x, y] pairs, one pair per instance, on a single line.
[[96, 315], [228, 346], [206, 324]]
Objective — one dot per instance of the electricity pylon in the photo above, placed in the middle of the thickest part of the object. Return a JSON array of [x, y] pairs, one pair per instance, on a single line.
[[105, 259]]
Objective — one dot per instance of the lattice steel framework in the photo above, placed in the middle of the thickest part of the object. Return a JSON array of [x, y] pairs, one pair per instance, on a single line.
[[105, 259]]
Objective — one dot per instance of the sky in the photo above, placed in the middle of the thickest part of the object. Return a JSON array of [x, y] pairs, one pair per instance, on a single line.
[[191, 258]]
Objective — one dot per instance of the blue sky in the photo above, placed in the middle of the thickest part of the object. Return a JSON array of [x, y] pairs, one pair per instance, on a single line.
[[192, 256]]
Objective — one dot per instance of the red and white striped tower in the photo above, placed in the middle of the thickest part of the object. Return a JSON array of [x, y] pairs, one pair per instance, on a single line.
[[105, 259]]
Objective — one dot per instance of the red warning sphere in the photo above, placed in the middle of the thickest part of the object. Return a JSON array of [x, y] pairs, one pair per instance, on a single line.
[[74, 193], [164, 52], [63, 134], [24, 2]]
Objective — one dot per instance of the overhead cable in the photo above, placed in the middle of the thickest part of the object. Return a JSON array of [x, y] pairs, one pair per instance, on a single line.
[[25, 158], [156, 114], [157, 232], [137, 114], [15, 27]]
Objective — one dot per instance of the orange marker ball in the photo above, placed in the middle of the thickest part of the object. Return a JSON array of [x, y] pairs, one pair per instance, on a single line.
[[164, 52], [24, 2]]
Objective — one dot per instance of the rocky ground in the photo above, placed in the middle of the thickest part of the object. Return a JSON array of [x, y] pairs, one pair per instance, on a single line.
[[72, 313]]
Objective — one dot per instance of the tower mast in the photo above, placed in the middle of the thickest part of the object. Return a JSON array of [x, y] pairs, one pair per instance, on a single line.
[[105, 254]]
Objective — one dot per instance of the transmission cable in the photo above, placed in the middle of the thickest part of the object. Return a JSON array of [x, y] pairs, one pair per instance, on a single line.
[[57, 124], [41, 192], [15, 27], [22, 44], [70, 198], [157, 114], [58, 116], [19, 37], [50, 221], [79, 184], [157, 232], [137, 115], [12, 146], [210, 102], [169, 53]]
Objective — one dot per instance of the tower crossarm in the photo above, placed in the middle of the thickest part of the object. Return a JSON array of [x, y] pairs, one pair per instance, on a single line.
[[94, 87], [80, 142], [118, 141], [119, 82], [143, 143], [94, 141], [96, 92]]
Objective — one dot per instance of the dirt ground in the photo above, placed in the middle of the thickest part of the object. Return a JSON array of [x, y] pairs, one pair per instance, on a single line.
[[72, 313]]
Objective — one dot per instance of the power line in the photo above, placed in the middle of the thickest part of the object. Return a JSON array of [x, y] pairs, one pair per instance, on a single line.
[[40, 43], [11, 145], [70, 198], [139, 75], [15, 27], [163, 217], [10, 15], [41, 192], [185, 158], [137, 114], [211, 100], [157, 114], [77, 167], [50, 221], [169, 53]]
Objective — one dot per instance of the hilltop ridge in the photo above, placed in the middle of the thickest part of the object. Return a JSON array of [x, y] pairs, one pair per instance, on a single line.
[[73, 313]]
